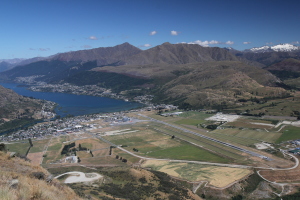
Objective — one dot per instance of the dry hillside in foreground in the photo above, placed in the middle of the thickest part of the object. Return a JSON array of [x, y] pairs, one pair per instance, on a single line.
[[19, 179]]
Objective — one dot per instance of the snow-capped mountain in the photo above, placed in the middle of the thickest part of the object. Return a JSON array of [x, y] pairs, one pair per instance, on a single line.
[[285, 47], [277, 48]]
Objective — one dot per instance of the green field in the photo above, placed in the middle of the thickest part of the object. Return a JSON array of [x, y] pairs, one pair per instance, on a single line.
[[187, 152], [289, 133], [192, 118], [55, 147], [195, 115], [217, 148], [252, 135], [151, 143], [276, 107], [38, 146], [194, 122], [20, 147]]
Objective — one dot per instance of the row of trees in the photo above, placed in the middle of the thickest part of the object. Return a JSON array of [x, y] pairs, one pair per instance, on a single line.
[[122, 159]]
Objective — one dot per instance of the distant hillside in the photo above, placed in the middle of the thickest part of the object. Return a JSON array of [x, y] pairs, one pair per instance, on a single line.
[[203, 84], [5, 66], [174, 73], [268, 58], [291, 64], [179, 54], [17, 110], [48, 71], [103, 55], [14, 106], [11, 63], [288, 71]]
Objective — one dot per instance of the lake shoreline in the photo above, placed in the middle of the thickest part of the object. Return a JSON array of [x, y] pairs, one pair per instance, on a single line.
[[75, 104]]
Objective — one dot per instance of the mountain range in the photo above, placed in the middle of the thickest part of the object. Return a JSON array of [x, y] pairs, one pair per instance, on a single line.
[[175, 73]]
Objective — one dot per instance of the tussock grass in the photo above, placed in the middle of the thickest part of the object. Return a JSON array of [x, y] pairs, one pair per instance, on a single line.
[[28, 186]]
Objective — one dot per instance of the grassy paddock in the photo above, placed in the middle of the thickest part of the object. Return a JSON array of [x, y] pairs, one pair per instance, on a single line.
[[21, 147], [193, 122], [252, 135], [187, 152], [289, 133], [153, 144], [39, 145]]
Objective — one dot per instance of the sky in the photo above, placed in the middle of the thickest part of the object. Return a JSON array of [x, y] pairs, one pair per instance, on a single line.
[[34, 28]]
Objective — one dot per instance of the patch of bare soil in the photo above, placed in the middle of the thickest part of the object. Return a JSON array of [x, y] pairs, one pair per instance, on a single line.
[[35, 158]]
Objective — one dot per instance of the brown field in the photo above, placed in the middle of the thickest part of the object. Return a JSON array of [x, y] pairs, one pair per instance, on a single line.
[[35, 158], [91, 143], [282, 176], [100, 161], [216, 176], [83, 154]]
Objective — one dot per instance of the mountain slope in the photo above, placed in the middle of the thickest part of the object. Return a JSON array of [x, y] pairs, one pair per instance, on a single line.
[[287, 70], [179, 54], [13, 106], [291, 64], [203, 84], [172, 72], [5, 66], [103, 55], [268, 55], [48, 71], [214, 83], [277, 48]]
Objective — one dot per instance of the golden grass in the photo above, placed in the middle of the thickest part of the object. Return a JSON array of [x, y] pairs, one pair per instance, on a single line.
[[29, 187], [215, 175]]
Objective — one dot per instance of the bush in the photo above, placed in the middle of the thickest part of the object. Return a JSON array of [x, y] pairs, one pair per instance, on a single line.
[[38, 175]]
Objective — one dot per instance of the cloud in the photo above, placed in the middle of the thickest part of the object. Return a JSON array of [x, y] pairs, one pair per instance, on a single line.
[[145, 45], [229, 42], [70, 47], [205, 43], [86, 46], [40, 49], [93, 38], [246, 42], [174, 32], [152, 32], [44, 49]]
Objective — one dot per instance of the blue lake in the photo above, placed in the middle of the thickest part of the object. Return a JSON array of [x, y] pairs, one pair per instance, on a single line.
[[76, 104]]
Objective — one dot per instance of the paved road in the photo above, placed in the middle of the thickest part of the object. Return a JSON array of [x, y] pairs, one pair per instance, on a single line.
[[209, 138]]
